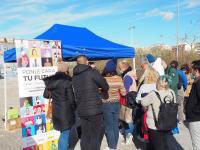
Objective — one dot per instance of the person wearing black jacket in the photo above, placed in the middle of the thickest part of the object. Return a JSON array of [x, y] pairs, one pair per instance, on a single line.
[[89, 86], [59, 88], [193, 108]]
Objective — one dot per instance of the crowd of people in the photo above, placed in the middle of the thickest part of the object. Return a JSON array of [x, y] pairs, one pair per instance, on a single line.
[[148, 108]]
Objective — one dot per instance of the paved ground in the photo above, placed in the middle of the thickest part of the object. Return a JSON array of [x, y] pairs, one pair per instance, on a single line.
[[12, 140]]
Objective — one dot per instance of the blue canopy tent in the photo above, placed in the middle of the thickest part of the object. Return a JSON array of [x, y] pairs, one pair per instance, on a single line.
[[80, 41]]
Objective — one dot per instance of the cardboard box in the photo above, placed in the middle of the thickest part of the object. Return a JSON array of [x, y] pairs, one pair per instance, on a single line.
[[13, 124]]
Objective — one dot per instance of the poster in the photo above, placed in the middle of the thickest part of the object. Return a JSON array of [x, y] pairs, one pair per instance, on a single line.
[[1, 55], [1, 59], [29, 80], [36, 60]]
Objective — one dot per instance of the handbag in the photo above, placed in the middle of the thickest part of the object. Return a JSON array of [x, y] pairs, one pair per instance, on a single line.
[[125, 114], [122, 100], [131, 99]]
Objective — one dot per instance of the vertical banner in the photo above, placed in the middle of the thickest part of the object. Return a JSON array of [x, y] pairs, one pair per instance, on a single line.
[[1, 59], [36, 60]]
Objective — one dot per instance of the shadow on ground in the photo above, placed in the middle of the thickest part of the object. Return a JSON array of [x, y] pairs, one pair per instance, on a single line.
[[172, 142]]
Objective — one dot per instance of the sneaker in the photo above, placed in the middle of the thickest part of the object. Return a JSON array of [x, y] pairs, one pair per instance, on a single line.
[[175, 130], [107, 148], [129, 140], [180, 122], [123, 142]]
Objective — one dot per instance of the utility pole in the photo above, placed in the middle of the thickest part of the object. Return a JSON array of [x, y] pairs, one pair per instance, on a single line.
[[177, 31], [131, 28]]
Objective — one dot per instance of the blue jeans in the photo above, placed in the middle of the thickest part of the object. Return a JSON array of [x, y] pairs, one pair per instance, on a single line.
[[129, 130], [111, 123], [63, 141]]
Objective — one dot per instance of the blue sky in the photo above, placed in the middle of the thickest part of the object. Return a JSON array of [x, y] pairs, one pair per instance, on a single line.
[[154, 20]]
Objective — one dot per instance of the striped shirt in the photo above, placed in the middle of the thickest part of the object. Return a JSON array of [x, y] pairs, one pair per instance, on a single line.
[[116, 87]]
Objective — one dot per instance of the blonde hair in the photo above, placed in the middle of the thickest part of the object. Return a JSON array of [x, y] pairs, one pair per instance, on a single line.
[[151, 76], [163, 82], [62, 67]]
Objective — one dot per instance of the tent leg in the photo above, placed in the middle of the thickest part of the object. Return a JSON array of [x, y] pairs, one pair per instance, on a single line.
[[5, 94], [134, 68]]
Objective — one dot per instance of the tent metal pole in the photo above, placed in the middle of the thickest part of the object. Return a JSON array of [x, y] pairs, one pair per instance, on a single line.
[[5, 94], [134, 68]]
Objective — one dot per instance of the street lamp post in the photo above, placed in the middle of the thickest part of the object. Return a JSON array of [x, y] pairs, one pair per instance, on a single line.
[[177, 31], [131, 28]]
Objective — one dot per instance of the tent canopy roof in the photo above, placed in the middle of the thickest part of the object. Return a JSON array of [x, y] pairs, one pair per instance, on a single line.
[[80, 41]]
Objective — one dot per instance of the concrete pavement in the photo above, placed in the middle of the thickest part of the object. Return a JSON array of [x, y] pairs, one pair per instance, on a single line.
[[13, 140]]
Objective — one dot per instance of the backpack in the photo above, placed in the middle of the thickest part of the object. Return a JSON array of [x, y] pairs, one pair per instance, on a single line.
[[167, 116]]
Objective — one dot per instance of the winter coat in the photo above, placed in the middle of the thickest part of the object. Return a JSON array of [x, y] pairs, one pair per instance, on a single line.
[[89, 86], [130, 82], [144, 90], [193, 103], [183, 79], [63, 102]]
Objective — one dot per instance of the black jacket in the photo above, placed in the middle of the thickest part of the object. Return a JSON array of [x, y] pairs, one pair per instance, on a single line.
[[193, 103], [87, 83], [62, 100]]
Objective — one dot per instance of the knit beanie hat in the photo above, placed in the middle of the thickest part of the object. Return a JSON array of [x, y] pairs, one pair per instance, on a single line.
[[150, 58], [111, 65]]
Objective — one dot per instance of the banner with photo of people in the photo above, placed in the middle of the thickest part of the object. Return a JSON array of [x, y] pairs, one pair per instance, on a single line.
[[36, 60]]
